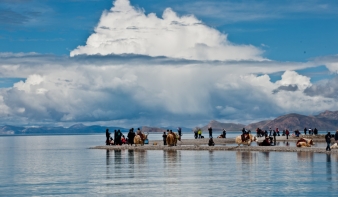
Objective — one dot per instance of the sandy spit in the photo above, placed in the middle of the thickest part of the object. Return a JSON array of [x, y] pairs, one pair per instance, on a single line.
[[221, 145]]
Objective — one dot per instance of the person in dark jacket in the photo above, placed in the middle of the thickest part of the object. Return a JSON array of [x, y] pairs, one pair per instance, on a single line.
[[328, 141], [315, 131], [118, 137], [115, 137], [336, 136], [107, 137], [164, 136], [131, 136], [179, 130], [211, 142], [210, 131], [224, 133]]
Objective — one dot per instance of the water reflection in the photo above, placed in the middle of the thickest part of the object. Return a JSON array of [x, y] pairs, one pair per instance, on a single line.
[[328, 167], [305, 156], [140, 162], [108, 176], [247, 160], [131, 164], [245, 157], [117, 159], [266, 156], [172, 164]]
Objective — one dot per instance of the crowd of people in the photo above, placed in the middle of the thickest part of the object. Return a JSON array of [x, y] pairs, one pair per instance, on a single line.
[[120, 139], [269, 135], [285, 132]]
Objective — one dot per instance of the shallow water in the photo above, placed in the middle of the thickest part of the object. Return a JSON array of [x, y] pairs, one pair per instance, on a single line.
[[63, 165]]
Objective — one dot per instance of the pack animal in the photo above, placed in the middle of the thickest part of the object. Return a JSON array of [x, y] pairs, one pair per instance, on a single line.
[[304, 142], [248, 138]]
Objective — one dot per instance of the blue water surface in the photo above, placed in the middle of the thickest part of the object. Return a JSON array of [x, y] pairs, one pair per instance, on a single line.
[[63, 165]]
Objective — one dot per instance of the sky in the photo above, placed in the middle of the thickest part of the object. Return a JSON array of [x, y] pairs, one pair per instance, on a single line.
[[165, 63]]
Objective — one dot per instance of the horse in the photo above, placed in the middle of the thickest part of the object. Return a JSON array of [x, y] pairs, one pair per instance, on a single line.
[[140, 140], [247, 141], [304, 142]]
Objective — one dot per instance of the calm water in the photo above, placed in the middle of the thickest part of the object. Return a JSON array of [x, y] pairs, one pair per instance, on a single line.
[[63, 165]]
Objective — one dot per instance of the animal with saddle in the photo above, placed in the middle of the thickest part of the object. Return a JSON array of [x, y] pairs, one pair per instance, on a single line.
[[304, 142], [245, 140], [140, 138], [172, 139]]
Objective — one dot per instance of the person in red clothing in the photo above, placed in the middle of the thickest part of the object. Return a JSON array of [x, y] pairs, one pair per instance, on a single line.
[[287, 133]]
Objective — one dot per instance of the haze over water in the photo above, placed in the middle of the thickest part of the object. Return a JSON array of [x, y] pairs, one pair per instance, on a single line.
[[63, 165]]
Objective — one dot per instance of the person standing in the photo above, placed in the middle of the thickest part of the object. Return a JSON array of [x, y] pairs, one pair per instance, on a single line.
[[270, 132], [131, 136], [336, 136], [224, 133], [107, 137], [274, 137], [199, 133], [118, 137], [328, 141], [210, 131], [287, 133], [164, 136], [115, 137], [277, 130], [179, 130], [305, 131], [315, 131]]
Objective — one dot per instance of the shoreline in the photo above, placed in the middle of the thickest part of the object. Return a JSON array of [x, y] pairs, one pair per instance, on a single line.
[[222, 144]]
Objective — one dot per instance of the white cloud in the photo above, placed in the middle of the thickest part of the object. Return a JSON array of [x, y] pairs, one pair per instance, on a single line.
[[125, 29], [139, 88], [133, 90], [293, 78]]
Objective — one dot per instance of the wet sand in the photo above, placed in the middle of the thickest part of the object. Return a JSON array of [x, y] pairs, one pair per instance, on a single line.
[[224, 145]]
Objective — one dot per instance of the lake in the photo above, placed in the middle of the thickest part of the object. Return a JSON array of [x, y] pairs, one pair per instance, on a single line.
[[63, 165]]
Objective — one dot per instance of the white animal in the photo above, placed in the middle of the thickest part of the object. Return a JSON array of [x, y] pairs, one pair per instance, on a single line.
[[334, 146]]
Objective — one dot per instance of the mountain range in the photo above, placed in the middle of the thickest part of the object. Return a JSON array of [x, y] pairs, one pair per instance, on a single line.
[[327, 120]]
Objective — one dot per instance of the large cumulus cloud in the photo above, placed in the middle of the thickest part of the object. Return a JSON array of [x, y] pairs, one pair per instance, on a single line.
[[138, 69], [135, 89], [126, 29]]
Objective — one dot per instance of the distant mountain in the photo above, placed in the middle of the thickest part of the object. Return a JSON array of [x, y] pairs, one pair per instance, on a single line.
[[330, 115], [218, 126], [323, 121], [147, 129], [75, 129], [327, 120]]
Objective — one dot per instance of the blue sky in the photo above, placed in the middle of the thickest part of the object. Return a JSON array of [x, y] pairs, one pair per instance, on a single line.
[[270, 44], [285, 30]]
